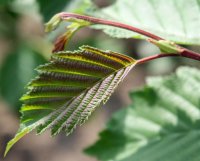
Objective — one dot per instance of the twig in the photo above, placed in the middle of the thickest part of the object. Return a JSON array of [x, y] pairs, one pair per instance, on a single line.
[[65, 15], [189, 54], [157, 56], [181, 51]]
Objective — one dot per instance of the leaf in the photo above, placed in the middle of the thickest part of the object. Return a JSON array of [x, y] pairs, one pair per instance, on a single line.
[[69, 88], [48, 9], [161, 124], [8, 21], [5, 2], [18, 136], [175, 20], [15, 72], [62, 41]]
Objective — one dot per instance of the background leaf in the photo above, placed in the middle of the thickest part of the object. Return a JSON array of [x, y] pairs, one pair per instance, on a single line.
[[3, 2], [49, 9], [162, 123], [16, 72], [175, 20]]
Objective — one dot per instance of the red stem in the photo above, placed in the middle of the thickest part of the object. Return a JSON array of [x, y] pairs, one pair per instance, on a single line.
[[65, 15], [190, 54], [146, 59], [182, 52]]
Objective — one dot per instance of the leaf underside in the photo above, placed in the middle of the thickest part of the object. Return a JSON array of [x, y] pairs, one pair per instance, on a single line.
[[69, 88], [175, 20], [162, 123]]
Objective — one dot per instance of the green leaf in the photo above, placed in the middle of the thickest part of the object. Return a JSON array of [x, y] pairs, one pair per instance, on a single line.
[[5, 2], [175, 20], [48, 9], [69, 88], [15, 73], [161, 124], [18, 136]]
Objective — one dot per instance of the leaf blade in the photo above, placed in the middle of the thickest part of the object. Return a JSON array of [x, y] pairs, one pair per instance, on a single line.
[[59, 99], [173, 20], [161, 124]]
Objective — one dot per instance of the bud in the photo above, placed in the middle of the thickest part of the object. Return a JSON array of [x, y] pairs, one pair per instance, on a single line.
[[53, 23]]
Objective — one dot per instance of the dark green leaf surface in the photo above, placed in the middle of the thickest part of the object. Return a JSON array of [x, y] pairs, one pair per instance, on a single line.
[[5, 2], [162, 123], [69, 88], [49, 8], [175, 20]]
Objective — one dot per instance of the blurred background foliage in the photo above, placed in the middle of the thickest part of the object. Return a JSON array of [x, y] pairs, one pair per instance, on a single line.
[[24, 46]]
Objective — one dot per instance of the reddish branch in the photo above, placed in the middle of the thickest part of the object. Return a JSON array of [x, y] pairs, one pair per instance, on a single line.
[[182, 52], [189, 54], [65, 15], [146, 59]]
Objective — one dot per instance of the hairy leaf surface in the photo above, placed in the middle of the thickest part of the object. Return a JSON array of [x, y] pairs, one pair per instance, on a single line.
[[162, 123], [69, 88], [175, 20]]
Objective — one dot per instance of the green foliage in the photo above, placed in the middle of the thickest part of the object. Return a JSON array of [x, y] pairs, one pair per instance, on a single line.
[[4, 2], [22, 56], [175, 20], [50, 8], [8, 21], [16, 72], [63, 40], [161, 123], [163, 119], [69, 88]]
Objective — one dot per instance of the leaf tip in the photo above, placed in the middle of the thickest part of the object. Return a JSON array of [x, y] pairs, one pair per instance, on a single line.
[[8, 147], [6, 151], [17, 137]]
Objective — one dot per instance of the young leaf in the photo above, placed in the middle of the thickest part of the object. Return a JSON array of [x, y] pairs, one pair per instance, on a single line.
[[62, 41], [162, 123], [69, 88], [175, 20]]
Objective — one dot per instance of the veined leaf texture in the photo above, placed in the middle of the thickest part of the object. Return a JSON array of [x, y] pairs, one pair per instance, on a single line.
[[69, 88]]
